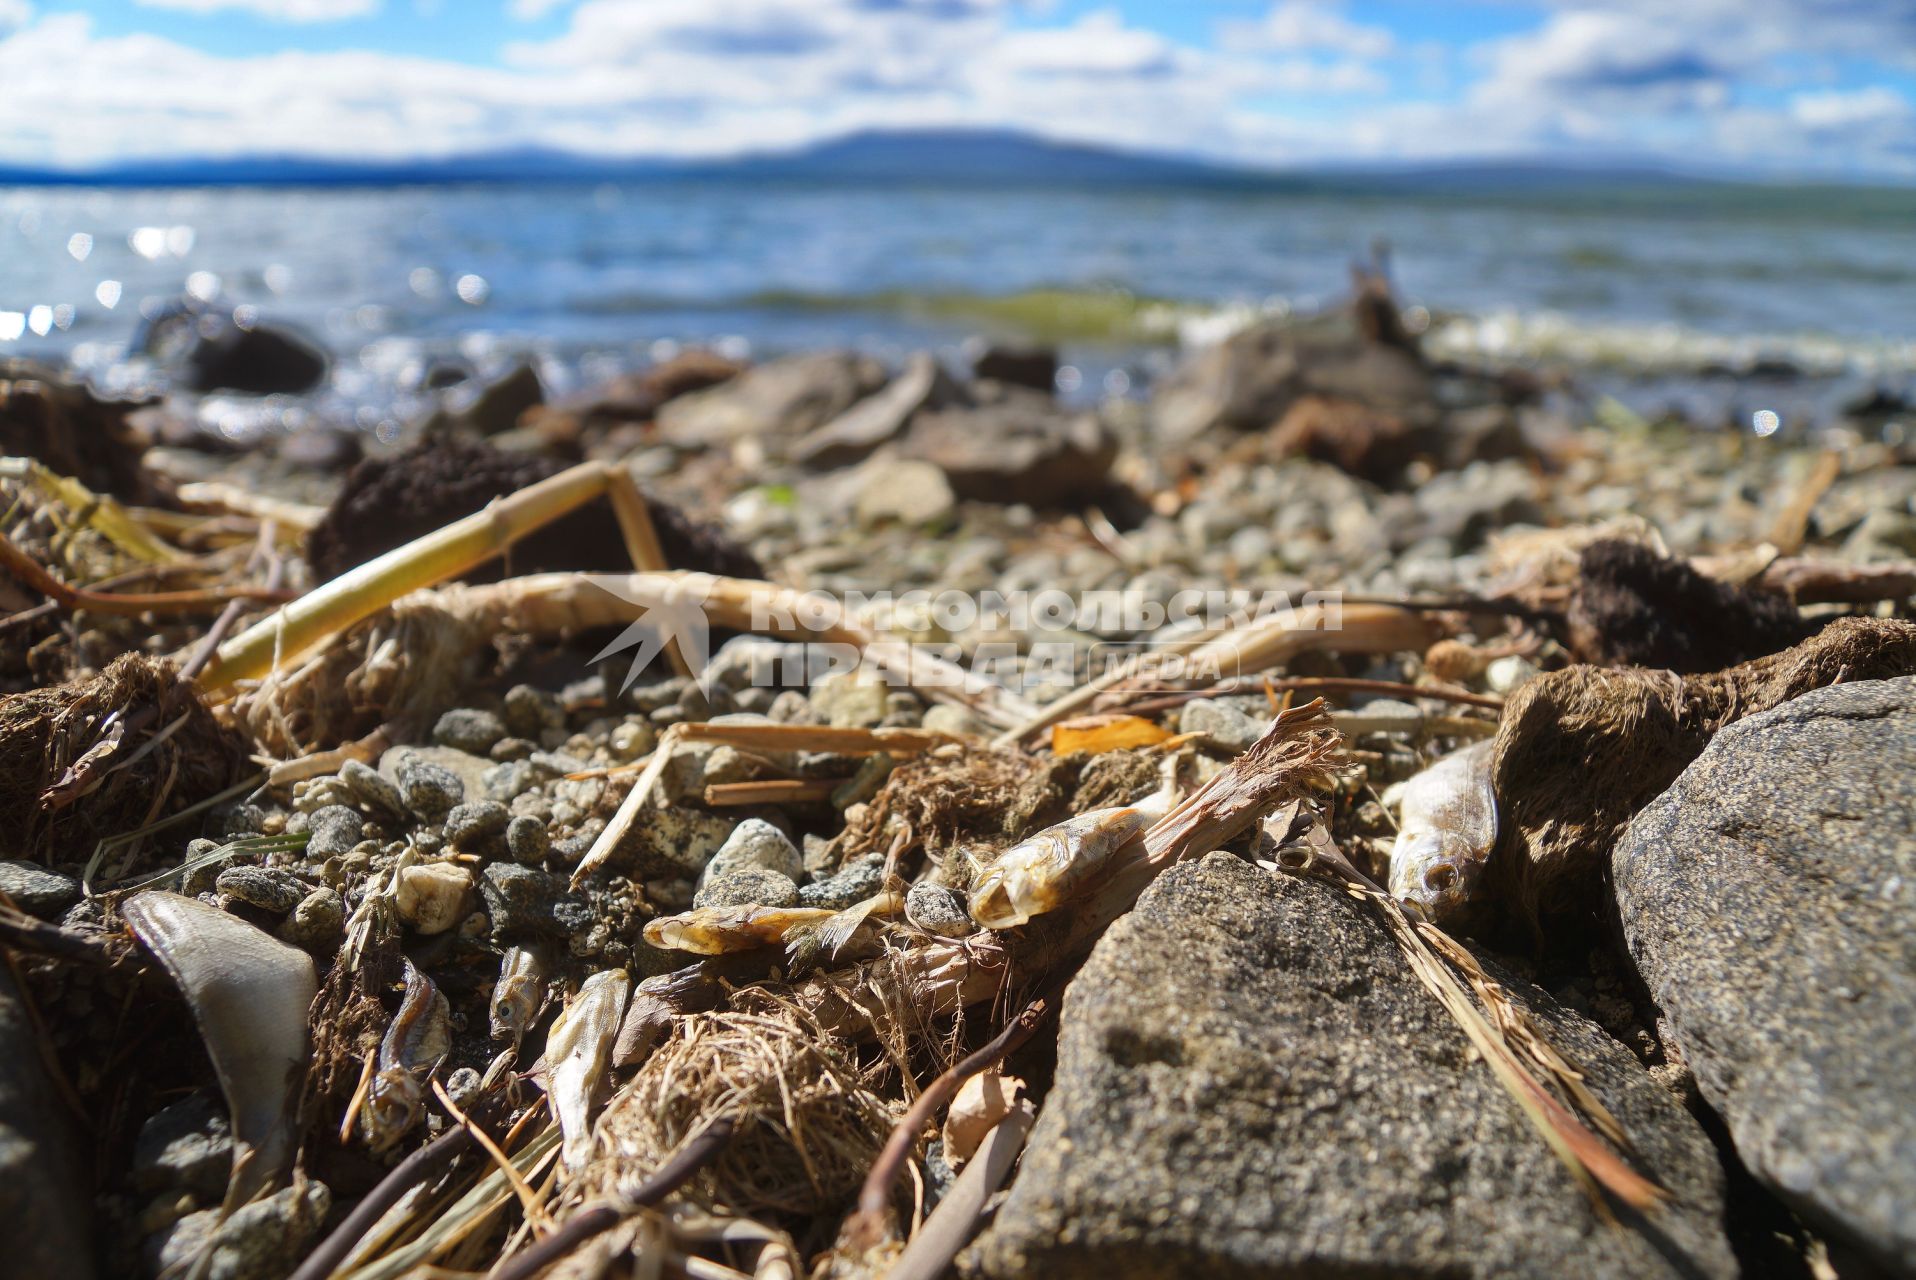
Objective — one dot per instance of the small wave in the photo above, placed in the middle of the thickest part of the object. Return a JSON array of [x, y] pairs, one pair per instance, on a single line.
[[1660, 348]]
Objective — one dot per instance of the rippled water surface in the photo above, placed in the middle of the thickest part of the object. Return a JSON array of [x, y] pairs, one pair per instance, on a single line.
[[592, 277]]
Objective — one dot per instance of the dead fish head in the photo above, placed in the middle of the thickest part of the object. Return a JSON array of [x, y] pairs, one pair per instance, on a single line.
[[394, 1104], [1438, 873]]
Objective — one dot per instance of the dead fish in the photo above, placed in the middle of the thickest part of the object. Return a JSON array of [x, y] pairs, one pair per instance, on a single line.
[[578, 1051], [519, 994], [1445, 829], [1045, 871], [249, 994], [417, 1041], [716, 931]]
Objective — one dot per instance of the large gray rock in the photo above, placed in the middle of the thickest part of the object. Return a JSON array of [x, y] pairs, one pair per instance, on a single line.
[[1248, 381], [1011, 444], [787, 397], [853, 435], [1769, 899], [42, 1194], [1252, 1082]]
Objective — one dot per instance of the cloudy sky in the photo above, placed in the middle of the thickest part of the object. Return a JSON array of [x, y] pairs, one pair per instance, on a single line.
[[1786, 86]]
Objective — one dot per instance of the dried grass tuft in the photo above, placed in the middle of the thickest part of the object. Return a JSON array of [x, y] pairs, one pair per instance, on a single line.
[[810, 1117]]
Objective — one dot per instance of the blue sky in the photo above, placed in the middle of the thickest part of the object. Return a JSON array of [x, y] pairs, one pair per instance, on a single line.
[[1781, 86]]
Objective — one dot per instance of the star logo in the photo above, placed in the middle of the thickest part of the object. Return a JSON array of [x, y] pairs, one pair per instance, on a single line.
[[673, 613]]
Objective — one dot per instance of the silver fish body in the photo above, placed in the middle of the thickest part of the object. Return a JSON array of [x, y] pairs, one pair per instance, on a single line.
[[519, 994], [1446, 828], [416, 1042], [1043, 872]]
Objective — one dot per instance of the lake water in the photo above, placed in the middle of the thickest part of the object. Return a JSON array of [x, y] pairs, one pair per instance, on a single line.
[[593, 279]]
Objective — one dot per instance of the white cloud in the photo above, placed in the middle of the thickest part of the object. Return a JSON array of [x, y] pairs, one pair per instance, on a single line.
[[278, 10], [1309, 26], [14, 14], [533, 10], [1839, 109]]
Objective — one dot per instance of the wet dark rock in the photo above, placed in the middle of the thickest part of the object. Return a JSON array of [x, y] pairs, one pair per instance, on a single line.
[[38, 891], [1251, 1081], [387, 502], [469, 729], [786, 397], [41, 1185], [1034, 367], [216, 354], [430, 790], [499, 405], [1018, 446], [272, 891], [185, 1147], [747, 886], [1769, 900]]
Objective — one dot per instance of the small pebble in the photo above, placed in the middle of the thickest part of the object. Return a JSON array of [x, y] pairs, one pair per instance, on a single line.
[[755, 843], [274, 892], [1226, 726], [430, 790], [38, 891], [333, 830], [530, 712], [1506, 675], [747, 886], [938, 909], [473, 823], [317, 920], [856, 882], [469, 729], [433, 897], [372, 788], [527, 840]]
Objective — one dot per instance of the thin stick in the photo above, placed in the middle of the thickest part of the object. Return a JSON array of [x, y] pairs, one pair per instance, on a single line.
[[528, 1201], [416, 1169], [1310, 684], [698, 1151], [1793, 521], [866, 1228], [358, 593], [642, 543], [776, 791], [929, 1252], [28, 570]]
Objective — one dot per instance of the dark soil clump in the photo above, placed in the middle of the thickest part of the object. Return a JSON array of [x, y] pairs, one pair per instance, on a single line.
[[387, 502], [1634, 608]]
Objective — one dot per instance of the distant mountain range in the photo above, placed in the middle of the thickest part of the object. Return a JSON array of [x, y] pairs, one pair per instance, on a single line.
[[958, 157]]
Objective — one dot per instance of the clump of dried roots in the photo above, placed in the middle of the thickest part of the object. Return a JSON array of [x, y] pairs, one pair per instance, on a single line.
[[809, 1116], [1581, 750], [105, 754]]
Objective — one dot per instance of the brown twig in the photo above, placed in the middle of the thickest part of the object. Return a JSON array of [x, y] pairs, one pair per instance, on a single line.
[[1313, 684], [774, 791], [416, 1169], [210, 643], [699, 1150], [28, 570], [866, 1228]]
